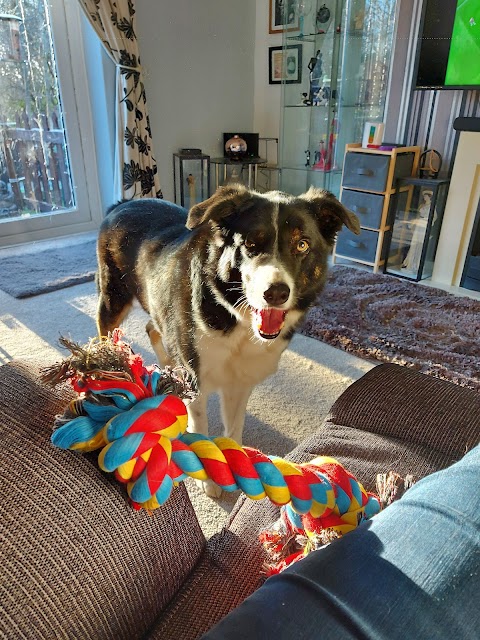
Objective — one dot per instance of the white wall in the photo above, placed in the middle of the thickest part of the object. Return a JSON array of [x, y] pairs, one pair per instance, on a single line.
[[199, 61], [267, 97]]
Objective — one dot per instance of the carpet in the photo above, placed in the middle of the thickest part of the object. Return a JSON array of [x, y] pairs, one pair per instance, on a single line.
[[30, 274], [387, 319]]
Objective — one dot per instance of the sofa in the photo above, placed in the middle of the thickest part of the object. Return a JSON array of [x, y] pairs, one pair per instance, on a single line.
[[78, 562]]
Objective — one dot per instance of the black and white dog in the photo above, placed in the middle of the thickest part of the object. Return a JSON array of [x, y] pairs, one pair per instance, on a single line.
[[225, 286]]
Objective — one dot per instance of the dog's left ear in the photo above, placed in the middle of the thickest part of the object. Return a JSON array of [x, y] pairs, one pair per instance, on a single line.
[[330, 213], [225, 201]]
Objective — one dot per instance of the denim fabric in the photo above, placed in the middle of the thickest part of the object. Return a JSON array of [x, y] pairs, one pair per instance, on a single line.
[[412, 572]]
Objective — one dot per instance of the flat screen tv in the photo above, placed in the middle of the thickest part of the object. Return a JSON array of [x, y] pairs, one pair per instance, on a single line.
[[448, 55]]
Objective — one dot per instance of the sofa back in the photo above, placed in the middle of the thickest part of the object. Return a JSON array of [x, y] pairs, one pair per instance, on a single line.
[[76, 560]]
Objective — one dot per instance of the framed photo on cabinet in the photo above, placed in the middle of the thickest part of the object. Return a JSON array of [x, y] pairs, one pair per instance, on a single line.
[[285, 64], [283, 16]]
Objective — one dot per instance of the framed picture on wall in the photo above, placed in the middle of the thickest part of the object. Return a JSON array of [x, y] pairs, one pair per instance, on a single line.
[[283, 16], [285, 65]]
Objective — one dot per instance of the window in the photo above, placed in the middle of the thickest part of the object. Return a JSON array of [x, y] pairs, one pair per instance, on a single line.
[[45, 133]]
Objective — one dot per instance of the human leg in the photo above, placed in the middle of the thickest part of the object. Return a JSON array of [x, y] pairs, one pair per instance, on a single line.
[[411, 572]]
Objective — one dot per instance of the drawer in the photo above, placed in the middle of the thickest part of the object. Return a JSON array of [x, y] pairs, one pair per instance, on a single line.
[[362, 247], [367, 206], [366, 171], [369, 171]]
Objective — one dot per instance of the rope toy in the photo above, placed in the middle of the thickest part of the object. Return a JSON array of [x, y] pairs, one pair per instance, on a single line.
[[129, 412]]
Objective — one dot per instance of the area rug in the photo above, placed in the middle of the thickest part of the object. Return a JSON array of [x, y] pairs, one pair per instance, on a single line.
[[388, 319], [36, 272]]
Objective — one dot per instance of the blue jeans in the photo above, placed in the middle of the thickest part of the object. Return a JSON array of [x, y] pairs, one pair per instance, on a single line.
[[412, 572]]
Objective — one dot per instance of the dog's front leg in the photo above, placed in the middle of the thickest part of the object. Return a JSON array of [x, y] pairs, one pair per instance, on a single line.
[[234, 406], [198, 423], [197, 415]]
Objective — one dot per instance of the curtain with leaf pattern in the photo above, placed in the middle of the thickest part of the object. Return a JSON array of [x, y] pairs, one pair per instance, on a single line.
[[136, 168]]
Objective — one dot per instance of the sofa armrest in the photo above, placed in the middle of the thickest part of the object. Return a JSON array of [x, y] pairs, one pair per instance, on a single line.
[[75, 556], [398, 402]]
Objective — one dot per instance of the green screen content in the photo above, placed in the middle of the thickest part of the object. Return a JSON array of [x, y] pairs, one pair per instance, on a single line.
[[463, 67]]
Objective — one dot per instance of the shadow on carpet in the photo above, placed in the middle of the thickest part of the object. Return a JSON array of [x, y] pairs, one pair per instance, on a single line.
[[380, 317], [30, 274]]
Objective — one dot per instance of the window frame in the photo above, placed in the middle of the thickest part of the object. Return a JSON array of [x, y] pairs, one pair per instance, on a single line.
[[86, 215]]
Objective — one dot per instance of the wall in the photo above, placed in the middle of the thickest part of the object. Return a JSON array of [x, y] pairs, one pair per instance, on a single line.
[[267, 97], [199, 60]]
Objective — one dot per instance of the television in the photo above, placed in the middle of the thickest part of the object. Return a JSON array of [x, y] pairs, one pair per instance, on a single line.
[[448, 53]]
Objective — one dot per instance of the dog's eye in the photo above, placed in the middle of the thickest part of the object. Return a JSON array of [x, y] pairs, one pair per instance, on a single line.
[[249, 244], [303, 246]]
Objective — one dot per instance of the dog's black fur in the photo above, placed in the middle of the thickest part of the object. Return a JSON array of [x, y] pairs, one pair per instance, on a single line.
[[201, 276]]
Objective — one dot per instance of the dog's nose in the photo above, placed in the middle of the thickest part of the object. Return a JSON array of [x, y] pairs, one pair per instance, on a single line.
[[277, 294]]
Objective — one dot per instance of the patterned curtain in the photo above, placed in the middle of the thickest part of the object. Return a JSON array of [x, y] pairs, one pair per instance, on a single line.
[[136, 173]]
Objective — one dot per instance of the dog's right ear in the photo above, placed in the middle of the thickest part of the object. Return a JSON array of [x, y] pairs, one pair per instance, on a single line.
[[224, 202]]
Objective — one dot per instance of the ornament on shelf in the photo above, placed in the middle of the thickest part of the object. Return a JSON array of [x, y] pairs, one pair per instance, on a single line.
[[304, 7], [320, 157], [236, 147], [316, 73], [323, 16], [306, 100]]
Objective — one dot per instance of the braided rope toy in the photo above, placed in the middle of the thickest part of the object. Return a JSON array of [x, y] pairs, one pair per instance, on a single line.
[[141, 434]]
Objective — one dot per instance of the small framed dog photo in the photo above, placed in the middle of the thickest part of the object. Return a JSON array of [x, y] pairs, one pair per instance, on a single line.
[[285, 65], [283, 16]]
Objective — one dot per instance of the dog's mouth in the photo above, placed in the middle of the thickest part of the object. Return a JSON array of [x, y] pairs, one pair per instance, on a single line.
[[269, 322]]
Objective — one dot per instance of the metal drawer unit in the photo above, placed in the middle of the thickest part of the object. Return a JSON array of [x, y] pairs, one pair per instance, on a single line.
[[368, 185]]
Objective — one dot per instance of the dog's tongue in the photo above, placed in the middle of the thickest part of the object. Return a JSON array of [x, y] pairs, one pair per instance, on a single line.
[[269, 321]]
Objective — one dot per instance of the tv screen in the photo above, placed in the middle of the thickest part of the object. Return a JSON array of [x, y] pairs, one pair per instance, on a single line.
[[449, 47]]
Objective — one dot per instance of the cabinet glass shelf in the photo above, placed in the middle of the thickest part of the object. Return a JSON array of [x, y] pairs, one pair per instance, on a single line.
[[344, 78], [312, 170], [326, 107], [313, 37]]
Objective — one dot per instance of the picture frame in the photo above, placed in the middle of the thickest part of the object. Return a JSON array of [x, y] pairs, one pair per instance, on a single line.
[[285, 64], [283, 16]]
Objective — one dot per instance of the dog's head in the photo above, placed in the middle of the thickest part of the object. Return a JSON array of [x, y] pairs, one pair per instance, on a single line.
[[269, 251]]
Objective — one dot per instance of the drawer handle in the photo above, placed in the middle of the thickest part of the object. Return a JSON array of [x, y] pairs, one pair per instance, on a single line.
[[358, 209], [356, 244], [362, 171]]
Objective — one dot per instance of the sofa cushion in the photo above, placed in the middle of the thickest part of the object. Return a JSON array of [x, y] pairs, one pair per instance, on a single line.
[[228, 572], [77, 560]]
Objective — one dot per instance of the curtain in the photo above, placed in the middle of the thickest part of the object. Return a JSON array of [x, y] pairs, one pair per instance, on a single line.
[[136, 169]]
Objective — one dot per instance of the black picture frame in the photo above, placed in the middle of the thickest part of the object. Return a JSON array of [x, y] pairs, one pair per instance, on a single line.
[[285, 64], [283, 16]]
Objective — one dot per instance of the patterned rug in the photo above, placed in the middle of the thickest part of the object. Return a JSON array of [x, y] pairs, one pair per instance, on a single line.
[[384, 318], [30, 274]]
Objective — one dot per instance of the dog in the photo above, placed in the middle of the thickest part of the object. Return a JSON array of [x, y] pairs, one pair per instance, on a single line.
[[225, 285]]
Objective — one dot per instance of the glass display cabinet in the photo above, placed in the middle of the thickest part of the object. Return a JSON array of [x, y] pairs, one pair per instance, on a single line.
[[415, 227], [345, 50]]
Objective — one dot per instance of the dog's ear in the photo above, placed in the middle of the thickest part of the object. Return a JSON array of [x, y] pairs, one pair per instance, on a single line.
[[330, 213], [224, 202]]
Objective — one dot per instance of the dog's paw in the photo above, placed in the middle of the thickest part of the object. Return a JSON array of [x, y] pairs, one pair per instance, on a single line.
[[209, 488]]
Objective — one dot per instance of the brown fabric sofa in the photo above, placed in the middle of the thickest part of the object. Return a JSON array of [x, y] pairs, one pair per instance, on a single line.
[[78, 562]]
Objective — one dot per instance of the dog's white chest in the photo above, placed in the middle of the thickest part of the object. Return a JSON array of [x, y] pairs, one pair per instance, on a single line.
[[237, 359]]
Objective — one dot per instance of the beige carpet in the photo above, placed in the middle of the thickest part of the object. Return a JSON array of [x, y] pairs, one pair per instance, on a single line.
[[282, 411]]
